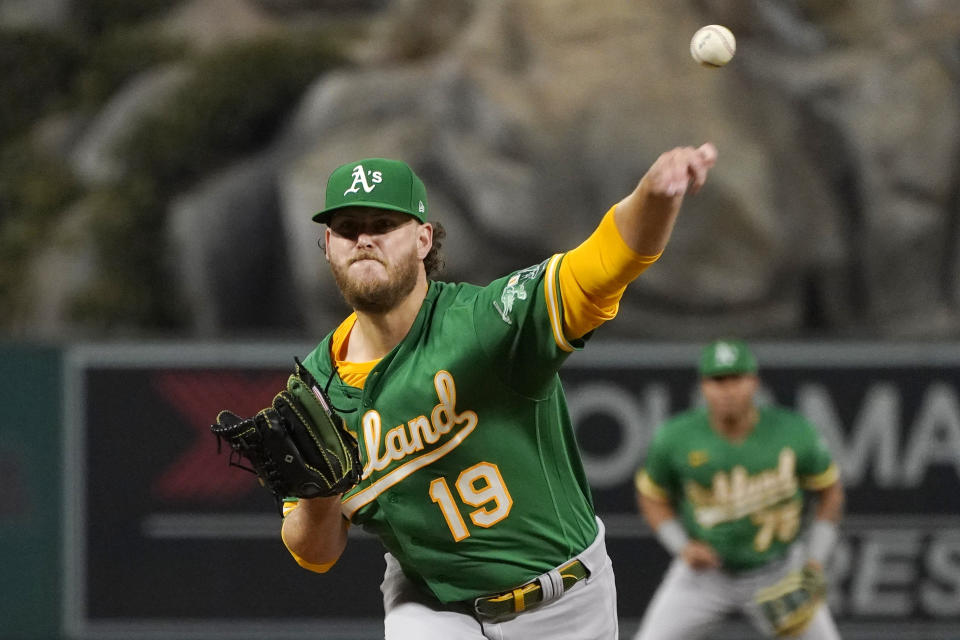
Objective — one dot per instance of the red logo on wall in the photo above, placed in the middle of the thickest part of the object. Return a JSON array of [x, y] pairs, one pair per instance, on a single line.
[[200, 473]]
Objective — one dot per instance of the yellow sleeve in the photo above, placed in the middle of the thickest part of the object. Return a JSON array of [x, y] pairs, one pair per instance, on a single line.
[[822, 480], [594, 276], [288, 506], [647, 487]]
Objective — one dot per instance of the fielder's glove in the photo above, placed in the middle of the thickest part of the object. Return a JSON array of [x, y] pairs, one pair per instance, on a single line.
[[298, 446], [790, 604]]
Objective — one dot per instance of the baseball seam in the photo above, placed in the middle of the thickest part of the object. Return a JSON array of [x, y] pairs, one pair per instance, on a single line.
[[723, 39]]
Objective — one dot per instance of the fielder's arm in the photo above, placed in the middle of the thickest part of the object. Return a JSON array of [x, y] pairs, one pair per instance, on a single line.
[[315, 532], [654, 511], [662, 518], [830, 501], [823, 533]]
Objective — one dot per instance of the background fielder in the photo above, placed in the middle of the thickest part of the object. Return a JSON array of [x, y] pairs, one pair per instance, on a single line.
[[723, 487]]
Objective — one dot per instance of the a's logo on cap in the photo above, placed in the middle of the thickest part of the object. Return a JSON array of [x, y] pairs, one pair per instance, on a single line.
[[725, 354], [420, 207], [360, 180]]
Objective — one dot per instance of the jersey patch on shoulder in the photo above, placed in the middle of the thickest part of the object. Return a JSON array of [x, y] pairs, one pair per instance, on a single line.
[[515, 289], [698, 458]]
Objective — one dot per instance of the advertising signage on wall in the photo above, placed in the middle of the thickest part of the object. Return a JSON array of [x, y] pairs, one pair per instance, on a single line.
[[164, 539]]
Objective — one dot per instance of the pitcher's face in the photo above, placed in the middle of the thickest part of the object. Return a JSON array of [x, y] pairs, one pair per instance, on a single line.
[[376, 256]]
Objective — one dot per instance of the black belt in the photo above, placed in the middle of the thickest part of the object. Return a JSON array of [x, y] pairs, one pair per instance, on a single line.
[[526, 596]]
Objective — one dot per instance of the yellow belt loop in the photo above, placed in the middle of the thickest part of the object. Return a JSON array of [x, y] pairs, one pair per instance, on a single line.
[[518, 603]]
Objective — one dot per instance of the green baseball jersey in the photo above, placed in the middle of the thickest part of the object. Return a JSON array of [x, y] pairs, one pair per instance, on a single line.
[[743, 498], [472, 478]]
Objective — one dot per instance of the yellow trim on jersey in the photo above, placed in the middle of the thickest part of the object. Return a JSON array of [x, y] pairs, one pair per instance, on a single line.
[[352, 373], [553, 304], [316, 568], [288, 506], [821, 480], [369, 493], [646, 486], [594, 276]]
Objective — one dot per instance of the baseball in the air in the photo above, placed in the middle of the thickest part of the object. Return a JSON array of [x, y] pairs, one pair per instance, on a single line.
[[713, 45]]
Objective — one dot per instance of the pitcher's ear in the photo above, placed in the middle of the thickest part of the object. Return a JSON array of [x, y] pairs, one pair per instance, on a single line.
[[424, 240]]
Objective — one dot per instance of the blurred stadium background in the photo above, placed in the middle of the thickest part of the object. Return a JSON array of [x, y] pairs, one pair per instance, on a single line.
[[159, 162]]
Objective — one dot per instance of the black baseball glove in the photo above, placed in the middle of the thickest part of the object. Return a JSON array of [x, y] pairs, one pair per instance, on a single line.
[[298, 447], [789, 605]]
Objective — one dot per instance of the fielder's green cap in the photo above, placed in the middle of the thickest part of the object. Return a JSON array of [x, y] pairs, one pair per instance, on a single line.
[[726, 358], [375, 182]]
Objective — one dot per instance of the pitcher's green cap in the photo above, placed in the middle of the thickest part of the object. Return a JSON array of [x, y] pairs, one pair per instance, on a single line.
[[375, 182], [726, 358]]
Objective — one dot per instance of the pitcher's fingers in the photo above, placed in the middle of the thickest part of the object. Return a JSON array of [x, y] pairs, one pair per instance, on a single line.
[[708, 152], [704, 158], [677, 170]]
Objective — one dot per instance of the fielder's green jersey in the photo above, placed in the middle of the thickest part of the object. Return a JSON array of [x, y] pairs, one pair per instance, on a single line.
[[472, 478], [744, 498]]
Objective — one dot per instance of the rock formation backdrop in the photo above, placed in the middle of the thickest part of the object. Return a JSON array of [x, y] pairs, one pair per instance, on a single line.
[[161, 160]]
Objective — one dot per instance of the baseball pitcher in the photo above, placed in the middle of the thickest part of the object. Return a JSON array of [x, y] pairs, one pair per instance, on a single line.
[[467, 467]]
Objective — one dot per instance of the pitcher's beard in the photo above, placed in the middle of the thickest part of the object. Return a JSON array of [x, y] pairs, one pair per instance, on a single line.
[[378, 296]]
